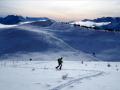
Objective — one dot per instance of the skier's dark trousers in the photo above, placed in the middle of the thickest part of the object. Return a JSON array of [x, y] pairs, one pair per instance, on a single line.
[[59, 67]]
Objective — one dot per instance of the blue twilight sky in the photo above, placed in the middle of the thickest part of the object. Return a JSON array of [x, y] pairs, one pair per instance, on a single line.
[[61, 9]]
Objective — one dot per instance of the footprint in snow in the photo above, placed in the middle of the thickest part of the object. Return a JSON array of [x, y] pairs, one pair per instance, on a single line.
[[37, 83], [48, 85]]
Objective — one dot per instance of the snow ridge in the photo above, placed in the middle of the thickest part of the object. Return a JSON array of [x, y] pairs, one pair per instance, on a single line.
[[88, 75]]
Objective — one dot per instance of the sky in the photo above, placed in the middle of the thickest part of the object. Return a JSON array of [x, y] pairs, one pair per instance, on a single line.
[[61, 9]]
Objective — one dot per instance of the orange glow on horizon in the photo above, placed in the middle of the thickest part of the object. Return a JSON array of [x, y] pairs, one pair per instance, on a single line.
[[61, 9]]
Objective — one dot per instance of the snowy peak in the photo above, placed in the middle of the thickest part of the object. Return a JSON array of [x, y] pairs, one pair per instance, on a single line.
[[11, 19], [15, 19], [107, 19], [90, 23], [104, 23], [104, 19]]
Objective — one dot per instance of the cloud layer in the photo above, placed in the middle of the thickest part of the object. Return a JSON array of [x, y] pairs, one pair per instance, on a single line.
[[61, 9]]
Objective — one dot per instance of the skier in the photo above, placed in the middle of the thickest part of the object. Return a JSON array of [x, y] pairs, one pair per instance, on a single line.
[[59, 63]]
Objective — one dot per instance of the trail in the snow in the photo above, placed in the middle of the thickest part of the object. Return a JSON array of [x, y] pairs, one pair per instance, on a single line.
[[58, 41], [47, 68], [92, 73], [49, 34], [89, 75]]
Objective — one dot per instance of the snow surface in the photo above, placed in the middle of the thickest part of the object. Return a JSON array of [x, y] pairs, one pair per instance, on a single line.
[[73, 44], [60, 37], [42, 75], [10, 26], [105, 44], [2, 26], [90, 23], [6, 26]]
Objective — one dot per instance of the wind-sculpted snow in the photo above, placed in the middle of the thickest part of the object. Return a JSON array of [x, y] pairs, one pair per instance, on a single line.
[[20, 40], [26, 40], [88, 75], [6, 26], [104, 44], [42, 75], [60, 37], [3, 26]]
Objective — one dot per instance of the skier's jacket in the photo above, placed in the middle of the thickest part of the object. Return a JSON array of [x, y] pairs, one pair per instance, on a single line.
[[60, 61]]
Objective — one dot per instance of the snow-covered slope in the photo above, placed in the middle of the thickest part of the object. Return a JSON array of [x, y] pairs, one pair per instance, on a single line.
[[2, 26], [35, 42], [106, 45], [16, 40], [110, 23], [41, 75], [45, 44], [6, 26], [60, 37]]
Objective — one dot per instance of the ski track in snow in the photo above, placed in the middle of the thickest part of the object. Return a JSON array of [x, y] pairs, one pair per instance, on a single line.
[[85, 76], [47, 68], [45, 31], [60, 42], [92, 73]]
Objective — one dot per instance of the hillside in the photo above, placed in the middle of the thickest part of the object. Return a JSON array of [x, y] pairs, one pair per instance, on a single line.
[[60, 37]]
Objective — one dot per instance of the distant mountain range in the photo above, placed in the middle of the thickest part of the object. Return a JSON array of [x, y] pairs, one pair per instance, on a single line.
[[11, 19], [34, 37], [104, 23], [14, 19], [105, 19], [114, 23]]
